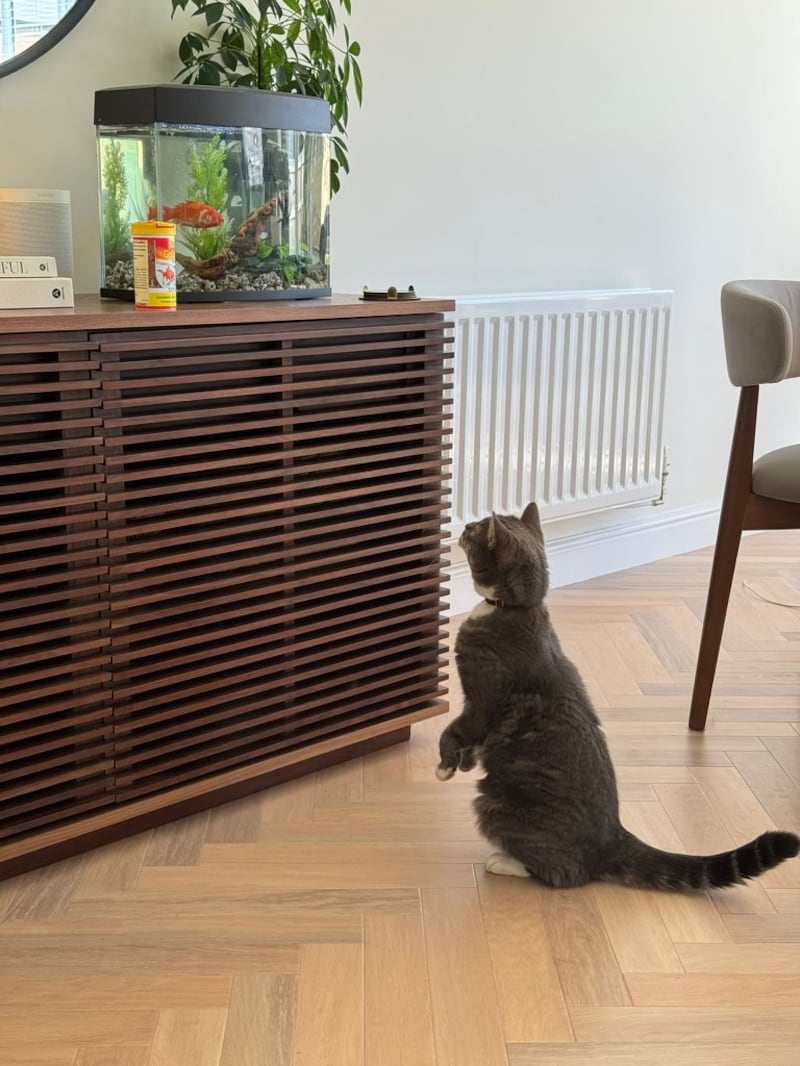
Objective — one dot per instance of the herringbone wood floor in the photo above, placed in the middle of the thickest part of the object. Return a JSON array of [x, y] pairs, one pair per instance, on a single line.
[[346, 919]]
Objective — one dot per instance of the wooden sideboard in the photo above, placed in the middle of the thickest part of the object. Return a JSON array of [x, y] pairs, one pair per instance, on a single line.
[[221, 554]]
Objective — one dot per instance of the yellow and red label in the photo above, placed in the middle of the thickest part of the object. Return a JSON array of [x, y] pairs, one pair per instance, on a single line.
[[154, 265]]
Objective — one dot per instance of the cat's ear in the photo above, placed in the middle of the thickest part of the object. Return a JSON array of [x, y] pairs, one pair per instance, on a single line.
[[530, 518], [498, 534], [491, 533]]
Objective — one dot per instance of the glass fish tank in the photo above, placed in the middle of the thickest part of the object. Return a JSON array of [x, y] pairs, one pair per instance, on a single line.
[[244, 175]]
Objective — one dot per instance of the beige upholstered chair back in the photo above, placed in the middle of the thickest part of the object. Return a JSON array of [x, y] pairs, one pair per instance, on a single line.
[[761, 326]]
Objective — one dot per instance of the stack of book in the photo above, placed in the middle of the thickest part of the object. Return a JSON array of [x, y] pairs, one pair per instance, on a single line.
[[33, 281]]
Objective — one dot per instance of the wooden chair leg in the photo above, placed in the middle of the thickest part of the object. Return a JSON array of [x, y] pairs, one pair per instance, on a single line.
[[719, 590], [731, 522]]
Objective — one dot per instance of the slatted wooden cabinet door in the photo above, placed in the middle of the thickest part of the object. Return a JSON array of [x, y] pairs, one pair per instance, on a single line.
[[275, 510], [55, 714]]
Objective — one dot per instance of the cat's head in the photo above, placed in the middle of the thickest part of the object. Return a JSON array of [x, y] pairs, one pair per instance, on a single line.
[[507, 558]]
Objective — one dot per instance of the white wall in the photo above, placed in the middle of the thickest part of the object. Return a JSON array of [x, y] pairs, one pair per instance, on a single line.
[[521, 145]]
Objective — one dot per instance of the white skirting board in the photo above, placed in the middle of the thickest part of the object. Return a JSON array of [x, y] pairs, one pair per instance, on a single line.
[[581, 556]]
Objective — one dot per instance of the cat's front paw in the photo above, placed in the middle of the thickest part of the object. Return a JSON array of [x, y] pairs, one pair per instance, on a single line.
[[449, 755], [468, 759]]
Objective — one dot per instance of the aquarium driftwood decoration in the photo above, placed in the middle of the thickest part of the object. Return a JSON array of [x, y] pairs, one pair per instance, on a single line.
[[244, 243], [288, 46]]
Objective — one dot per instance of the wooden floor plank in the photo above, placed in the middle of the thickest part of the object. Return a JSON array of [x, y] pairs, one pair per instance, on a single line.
[[29, 1054], [714, 990], [586, 964], [114, 993], [339, 784], [763, 928], [740, 958], [114, 868], [177, 844], [235, 823], [397, 999], [778, 794], [785, 900], [390, 766], [466, 1014], [687, 1025], [355, 852], [46, 1027], [86, 954], [191, 1036], [44, 893], [667, 1054], [292, 802], [261, 1021], [642, 663], [531, 998], [241, 877], [124, 1055], [638, 935], [330, 1006]]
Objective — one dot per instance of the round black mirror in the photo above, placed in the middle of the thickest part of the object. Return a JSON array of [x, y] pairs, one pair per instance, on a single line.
[[29, 28]]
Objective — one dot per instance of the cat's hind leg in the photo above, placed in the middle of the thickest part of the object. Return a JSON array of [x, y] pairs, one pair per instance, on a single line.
[[500, 863]]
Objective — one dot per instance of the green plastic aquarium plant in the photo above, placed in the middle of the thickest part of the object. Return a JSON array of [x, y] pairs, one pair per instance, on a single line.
[[293, 268], [289, 46], [116, 228], [209, 185]]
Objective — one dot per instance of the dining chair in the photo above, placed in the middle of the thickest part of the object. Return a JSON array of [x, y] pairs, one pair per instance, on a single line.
[[761, 329]]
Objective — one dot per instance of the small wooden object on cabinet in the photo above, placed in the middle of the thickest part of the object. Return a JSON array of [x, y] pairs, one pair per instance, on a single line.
[[220, 554]]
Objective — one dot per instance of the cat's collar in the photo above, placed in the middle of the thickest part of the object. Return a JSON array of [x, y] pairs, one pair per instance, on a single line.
[[494, 603]]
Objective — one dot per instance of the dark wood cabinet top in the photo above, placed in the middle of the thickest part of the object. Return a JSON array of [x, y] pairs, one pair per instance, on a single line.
[[93, 313]]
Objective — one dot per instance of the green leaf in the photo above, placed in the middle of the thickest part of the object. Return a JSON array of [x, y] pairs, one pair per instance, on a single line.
[[233, 41], [185, 51], [209, 72], [358, 82], [241, 16], [294, 31], [354, 49], [213, 13]]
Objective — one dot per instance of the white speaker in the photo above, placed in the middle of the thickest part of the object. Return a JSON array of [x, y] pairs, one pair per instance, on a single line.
[[37, 222]]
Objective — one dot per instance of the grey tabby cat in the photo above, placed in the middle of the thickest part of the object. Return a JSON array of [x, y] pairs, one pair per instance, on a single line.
[[549, 797]]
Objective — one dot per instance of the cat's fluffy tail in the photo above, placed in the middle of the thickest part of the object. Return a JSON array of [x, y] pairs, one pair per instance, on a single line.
[[642, 866]]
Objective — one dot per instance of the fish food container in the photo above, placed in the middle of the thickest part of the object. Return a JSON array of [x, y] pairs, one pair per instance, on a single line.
[[242, 174], [154, 265]]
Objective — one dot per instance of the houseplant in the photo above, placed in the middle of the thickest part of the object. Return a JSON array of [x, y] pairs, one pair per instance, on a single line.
[[290, 46]]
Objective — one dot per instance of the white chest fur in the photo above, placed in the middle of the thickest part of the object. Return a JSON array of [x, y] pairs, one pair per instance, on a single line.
[[482, 609]]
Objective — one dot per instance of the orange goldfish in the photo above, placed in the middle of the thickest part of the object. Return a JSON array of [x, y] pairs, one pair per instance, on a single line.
[[189, 213]]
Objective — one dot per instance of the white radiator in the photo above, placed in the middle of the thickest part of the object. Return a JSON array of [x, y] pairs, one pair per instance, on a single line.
[[558, 398]]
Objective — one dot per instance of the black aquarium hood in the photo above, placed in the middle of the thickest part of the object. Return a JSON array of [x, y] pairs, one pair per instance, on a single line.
[[210, 105]]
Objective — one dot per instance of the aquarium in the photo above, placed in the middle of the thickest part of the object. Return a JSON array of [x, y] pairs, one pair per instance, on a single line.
[[244, 175]]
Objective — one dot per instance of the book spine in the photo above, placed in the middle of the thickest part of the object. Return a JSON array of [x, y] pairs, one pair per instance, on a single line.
[[27, 266], [35, 292]]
